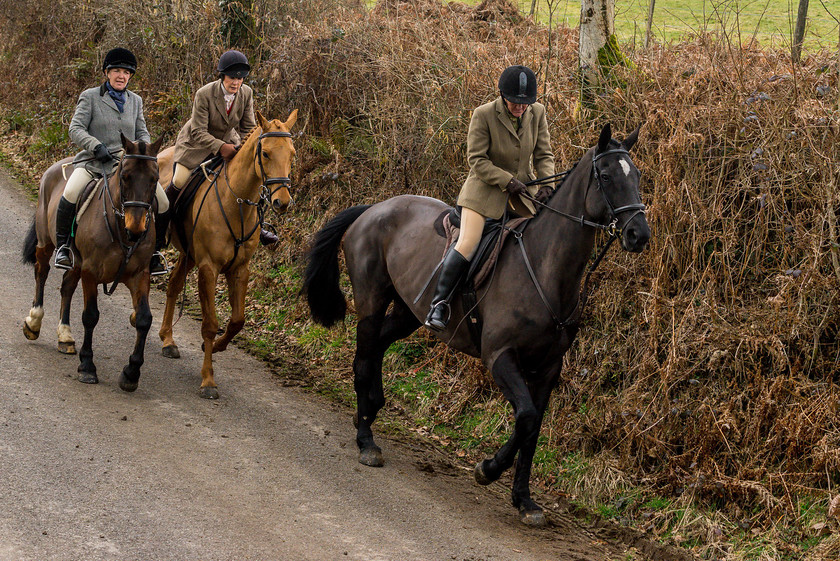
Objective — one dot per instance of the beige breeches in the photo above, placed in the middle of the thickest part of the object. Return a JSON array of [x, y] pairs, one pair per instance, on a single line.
[[472, 225], [179, 178], [81, 177]]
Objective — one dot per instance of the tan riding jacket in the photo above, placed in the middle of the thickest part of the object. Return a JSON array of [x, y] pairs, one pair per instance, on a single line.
[[496, 152], [210, 125]]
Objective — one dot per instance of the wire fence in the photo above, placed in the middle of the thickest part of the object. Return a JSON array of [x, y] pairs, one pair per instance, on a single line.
[[771, 22]]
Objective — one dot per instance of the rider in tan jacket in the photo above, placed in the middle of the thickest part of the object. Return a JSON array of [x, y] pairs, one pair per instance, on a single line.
[[222, 115], [508, 145]]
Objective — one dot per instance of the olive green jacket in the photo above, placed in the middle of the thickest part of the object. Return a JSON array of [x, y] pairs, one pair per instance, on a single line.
[[496, 152], [211, 125]]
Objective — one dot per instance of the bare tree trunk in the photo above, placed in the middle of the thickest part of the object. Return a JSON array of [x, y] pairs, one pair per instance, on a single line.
[[649, 23], [533, 7], [799, 32], [597, 27]]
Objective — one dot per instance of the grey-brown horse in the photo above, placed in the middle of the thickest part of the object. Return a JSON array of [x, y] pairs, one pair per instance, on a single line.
[[530, 308], [114, 242]]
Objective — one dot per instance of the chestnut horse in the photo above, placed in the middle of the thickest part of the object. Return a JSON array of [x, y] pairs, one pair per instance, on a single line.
[[113, 244], [222, 229], [530, 308]]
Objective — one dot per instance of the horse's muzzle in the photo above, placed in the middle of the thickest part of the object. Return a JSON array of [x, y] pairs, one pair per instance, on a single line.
[[280, 206], [636, 234]]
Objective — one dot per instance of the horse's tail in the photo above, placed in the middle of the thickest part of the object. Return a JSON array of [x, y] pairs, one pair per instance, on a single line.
[[30, 244], [320, 284]]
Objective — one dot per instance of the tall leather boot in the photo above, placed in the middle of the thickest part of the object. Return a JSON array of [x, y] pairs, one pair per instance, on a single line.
[[453, 268], [64, 215], [172, 194], [157, 266]]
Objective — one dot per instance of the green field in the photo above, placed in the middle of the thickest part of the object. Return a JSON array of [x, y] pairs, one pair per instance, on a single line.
[[772, 21]]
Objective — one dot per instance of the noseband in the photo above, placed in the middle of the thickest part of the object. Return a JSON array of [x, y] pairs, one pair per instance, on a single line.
[[267, 182], [638, 208]]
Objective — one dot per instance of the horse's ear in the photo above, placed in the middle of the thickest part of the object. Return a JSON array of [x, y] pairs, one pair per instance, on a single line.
[[290, 122], [631, 139], [125, 142], [154, 147], [261, 121], [604, 139]]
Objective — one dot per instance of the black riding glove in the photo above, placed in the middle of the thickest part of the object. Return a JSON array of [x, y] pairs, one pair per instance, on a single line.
[[516, 187], [544, 194], [101, 153]]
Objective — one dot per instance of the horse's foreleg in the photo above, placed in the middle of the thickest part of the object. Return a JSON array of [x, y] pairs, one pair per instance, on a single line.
[[237, 282], [139, 287], [209, 328], [528, 418], [66, 343], [177, 278], [90, 317], [32, 323]]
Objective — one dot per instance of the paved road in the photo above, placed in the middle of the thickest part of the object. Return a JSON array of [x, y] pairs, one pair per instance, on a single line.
[[267, 472]]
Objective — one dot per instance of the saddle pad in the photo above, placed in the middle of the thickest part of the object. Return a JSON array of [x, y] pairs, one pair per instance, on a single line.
[[185, 198], [93, 187]]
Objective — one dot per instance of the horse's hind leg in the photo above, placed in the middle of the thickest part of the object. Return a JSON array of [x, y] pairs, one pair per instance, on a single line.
[[66, 343], [32, 323], [177, 278], [374, 334], [139, 287], [90, 317]]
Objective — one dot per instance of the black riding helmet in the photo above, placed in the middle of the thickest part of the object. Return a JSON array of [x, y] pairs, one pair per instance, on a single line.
[[234, 64], [518, 84], [119, 58]]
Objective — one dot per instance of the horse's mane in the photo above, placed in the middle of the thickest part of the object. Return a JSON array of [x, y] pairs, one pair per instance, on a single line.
[[253, 130]]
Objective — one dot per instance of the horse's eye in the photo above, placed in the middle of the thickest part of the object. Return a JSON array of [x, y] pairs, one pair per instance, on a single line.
[[265, 154], [605, 177]]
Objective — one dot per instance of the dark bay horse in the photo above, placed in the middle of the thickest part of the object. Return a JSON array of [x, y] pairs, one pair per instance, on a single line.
[[222, 228], [114, 242], [528, 308]]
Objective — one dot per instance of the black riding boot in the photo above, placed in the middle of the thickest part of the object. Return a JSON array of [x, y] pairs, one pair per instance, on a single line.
[[269, 239], [64, 215], [453, 268], [157, 265]]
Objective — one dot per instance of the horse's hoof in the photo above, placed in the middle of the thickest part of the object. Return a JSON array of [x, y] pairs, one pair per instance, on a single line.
[[534, 518], [29, 334], [88, 378], [371, 457], [209, 393], [480, 476], [127, 385], [68, 348], [171, 351]]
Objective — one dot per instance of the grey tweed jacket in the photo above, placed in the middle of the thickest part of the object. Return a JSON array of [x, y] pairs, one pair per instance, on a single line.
[[97, 120]]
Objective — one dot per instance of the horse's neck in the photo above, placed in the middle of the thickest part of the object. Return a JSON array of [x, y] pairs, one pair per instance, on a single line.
[[560, 245], [241, 175]]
